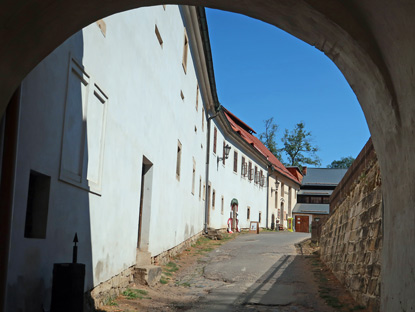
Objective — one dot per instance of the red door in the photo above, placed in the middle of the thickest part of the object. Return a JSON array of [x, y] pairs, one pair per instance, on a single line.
[[302, 224]]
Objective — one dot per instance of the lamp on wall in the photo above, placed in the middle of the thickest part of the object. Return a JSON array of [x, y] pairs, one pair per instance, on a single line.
[[277, 184], [227, 149]]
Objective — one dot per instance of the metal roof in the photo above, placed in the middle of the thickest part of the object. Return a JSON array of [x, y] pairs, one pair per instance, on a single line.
[[323, 176], [315, 192], [312, 208]]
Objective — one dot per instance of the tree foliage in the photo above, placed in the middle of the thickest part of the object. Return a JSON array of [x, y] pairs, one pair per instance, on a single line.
[[268, 137], [343, 163], [299, 148]]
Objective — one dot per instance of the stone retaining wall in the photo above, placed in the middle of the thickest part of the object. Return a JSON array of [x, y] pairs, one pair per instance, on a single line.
[[351, 239]]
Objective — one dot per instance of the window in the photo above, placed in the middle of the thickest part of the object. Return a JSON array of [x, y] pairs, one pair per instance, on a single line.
[[213, 199], [256, 178], [261, 178], [185, 51], [259, 217], [244, 169], [223, 152], [222, 205], [276, 199], [315, 199], [282, 190], [102, 26], [279, 214], [160, 40], [182, 95], [193, 176], [83, 134], [289, 201], [179, 157], [197, 97], [203, 119], [215, 136], [235, 161], [303, 199], [250, 171], [37, 205], [204, 191], [282, 210], [248, 213], [200, 188], [326, 200]]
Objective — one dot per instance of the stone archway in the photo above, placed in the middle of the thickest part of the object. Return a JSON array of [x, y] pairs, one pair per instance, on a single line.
[[372, 42]]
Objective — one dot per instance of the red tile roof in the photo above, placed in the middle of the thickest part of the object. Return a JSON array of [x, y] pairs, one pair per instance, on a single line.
[[294, 171], [246, 133]]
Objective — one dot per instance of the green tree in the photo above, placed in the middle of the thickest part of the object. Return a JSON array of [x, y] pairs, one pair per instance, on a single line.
[[299, 148], [343, 163], [268, 137]]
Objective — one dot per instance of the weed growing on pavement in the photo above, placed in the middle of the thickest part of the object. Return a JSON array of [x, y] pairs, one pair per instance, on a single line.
[[135, 294], [171, 267], [328, 291], [110, 301]]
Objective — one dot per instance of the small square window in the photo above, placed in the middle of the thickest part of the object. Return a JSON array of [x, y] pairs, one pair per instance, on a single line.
[[160, 40], [179, 158], [185, 51]]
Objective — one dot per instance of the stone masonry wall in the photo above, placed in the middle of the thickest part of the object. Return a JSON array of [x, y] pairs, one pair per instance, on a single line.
[[351, 239]]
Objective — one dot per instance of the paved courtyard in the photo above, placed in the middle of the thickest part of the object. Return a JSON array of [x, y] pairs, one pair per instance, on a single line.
[[253, 272], [258, 273]]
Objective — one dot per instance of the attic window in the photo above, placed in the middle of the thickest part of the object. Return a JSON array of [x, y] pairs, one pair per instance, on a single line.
[[160, 40], [185, 51], [102, 26]]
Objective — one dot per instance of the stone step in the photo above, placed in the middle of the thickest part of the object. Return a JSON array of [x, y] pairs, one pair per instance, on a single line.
[[147, 275], [214, 234], [143, 258]]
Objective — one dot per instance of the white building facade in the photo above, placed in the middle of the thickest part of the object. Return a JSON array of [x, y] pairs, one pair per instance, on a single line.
[[112, 145], [238, 177]]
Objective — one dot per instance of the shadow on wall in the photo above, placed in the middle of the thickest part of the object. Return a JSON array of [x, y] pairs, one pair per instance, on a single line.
[[51, 191]]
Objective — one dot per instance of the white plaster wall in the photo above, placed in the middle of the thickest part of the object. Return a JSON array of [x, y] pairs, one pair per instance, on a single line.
[[145, 116], [271, 197], [231, 185]]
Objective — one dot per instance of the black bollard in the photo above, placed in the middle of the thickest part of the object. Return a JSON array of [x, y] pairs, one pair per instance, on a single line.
[[68, 284]]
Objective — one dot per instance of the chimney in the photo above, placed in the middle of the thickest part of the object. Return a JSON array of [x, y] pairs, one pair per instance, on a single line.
[[304, 171]]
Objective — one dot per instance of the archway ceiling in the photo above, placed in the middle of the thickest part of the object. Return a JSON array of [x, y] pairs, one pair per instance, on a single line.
[[365, 39]]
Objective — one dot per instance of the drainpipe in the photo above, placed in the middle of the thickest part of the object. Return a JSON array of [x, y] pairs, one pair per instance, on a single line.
[[267, 214], [207, 168]]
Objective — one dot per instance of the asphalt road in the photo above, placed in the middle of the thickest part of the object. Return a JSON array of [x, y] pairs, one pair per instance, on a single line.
[[259, 272]]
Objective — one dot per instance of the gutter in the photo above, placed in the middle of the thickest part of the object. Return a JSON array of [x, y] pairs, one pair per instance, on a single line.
[[208, 53]]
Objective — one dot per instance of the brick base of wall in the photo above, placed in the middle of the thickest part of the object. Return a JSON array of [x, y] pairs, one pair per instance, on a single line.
[[167, 255], [104, 292]]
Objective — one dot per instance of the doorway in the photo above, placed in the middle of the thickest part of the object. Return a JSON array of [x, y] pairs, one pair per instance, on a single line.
[[145, 205], [302, 224]]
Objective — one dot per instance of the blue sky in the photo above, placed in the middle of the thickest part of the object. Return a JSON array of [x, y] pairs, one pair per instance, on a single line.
[[262, 72]]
